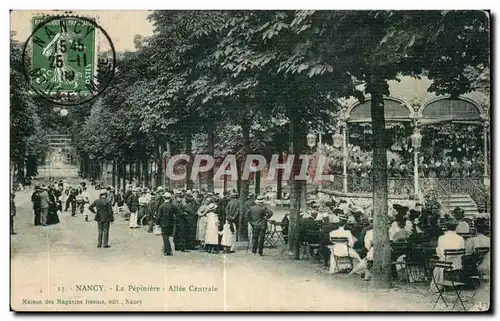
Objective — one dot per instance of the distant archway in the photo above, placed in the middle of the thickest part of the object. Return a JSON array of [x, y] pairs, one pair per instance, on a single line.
[[446, 109], [395, 110]]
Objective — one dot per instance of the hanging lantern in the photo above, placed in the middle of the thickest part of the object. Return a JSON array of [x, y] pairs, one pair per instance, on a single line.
[[64, 112], [416, 140], [57, 109], [337, 139], [311, 140]]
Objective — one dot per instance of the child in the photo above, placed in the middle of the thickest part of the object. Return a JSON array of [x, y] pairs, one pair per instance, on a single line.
[[86, 211], [228, 237]]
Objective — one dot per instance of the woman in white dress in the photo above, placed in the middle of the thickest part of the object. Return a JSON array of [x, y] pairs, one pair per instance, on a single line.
[[202, 224], [212, 230]]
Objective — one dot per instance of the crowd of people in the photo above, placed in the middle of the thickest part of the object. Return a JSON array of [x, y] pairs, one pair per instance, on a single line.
[[187, 219], [341, 234], [445, 167], [338, 230]]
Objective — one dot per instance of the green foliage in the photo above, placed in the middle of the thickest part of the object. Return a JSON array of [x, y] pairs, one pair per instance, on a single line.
[[27, 135]]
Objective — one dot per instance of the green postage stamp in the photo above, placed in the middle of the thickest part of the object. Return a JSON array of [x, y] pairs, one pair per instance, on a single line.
[[63, 51]]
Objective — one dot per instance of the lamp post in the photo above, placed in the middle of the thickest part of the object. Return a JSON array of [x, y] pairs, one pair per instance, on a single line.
[[416, 142], [340, 140], [311, 140]]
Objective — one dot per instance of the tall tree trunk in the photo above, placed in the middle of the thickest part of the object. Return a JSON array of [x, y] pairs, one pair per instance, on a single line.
[[138, 172], [242, 223], [381, 270], [239, 171], [279, 182], [131, 171], [189, 166], [145, 172], [113, 174], [296, 147], [169, 154], [118, 175], [124, 176], [257, 182], [159, 163], [210, 150]]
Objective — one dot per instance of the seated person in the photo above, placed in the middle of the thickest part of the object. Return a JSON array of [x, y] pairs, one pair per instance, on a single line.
[[415, 219], [309, 229], [462, 227], [342, 249], [400, 223], [402, 234], [368, 240], [284, 227], [479, 240], [450, 240], [324, 240], [472, 261]]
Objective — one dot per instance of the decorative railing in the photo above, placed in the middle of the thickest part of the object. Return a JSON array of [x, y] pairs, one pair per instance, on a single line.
[[442, 187], [480, 195], [395, 185], [468, 186], [443, 193], [337, 184], [357, 184]]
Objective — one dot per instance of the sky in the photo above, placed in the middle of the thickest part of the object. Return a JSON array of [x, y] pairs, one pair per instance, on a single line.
[[121, 25]]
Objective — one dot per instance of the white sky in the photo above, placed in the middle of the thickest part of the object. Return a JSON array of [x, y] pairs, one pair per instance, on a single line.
[[121, 25]]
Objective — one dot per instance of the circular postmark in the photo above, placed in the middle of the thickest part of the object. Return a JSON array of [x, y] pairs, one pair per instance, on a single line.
[[62, 60]]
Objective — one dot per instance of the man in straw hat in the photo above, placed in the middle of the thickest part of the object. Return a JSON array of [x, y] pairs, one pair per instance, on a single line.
[[133, 206], [342, 249], [103, 211], [165, 218], [257, 215]]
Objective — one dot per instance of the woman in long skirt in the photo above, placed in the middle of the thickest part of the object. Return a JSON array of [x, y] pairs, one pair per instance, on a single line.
[[212, 230], [201, 226]]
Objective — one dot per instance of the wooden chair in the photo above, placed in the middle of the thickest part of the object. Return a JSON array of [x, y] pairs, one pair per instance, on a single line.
[[447, 267], [341, 259], [475, 276], [398, 249]]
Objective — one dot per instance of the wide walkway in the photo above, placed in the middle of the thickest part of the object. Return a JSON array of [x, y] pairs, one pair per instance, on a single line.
[[60, 268]]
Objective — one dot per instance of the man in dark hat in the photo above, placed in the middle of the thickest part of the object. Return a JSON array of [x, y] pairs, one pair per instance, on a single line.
[[309, 230], [257, 215], [166, 219], [233, 212], [44, 205], [180, 224], [37, 203], [152, 210], [12, 213], [103, 216]]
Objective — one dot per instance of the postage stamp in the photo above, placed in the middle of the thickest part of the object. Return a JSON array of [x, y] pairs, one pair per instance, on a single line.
[[62, 61]]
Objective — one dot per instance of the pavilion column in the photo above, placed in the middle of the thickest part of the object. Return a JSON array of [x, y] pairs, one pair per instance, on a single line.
[[486, 175], [344, 156], [416, 143]]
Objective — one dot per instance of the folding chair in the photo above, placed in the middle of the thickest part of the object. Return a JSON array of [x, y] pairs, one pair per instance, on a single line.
[[269, 235], [447, 267], [398, 249], [475, 276], [341, 259]]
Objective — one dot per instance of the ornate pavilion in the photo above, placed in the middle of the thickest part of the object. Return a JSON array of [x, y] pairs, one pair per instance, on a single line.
[[411, 103]]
